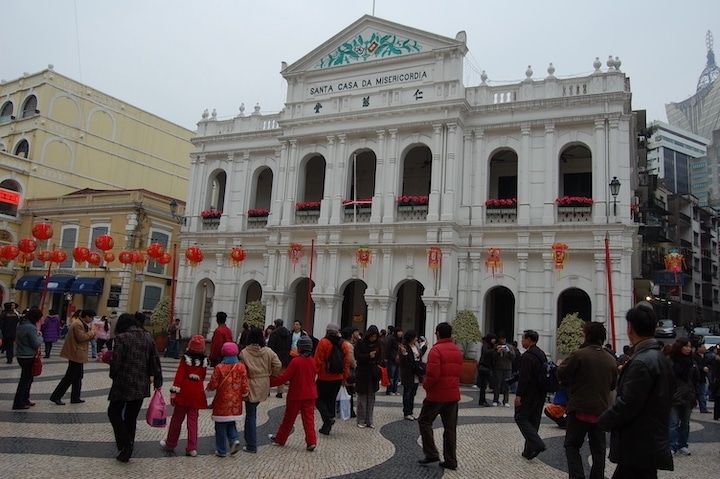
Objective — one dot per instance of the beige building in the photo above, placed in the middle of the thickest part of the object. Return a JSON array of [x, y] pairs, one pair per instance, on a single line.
[[58, 136], [132, 218]]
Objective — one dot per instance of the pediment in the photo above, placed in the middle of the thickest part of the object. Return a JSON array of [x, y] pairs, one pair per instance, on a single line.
[[372, 39]]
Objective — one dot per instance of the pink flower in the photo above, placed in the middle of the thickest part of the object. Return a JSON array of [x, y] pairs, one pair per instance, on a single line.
[[413, 200], [307, 206], [258, 213], [574, 201], [207, 214], [501, 203]]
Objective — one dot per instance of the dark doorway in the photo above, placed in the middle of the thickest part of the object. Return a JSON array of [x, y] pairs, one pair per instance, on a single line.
[[410, 310], [574, 300], [500, 312], [354, 307]]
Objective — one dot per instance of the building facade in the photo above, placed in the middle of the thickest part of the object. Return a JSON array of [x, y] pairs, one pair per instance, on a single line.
[[134, 219], [388, 192], [58, 135]]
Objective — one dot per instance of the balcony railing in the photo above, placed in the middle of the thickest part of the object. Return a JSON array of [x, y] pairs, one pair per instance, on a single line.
[[412, 213], [501, 215], [569, 214]]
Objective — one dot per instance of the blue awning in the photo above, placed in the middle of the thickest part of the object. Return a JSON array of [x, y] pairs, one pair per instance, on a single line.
[[88, 286], [57, 284], [29, 283]]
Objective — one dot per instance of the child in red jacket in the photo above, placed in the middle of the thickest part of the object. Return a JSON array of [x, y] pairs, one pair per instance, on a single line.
[[301, 395], [187, 395], [230, 379]]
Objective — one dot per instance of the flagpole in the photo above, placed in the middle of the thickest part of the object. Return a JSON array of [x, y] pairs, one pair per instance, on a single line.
[[309, 288]]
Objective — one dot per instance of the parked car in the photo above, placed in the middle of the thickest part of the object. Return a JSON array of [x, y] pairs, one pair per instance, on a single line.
[[701, 331], [710, 341], [665, 329]]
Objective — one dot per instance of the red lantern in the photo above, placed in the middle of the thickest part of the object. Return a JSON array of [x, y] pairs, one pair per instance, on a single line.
[[27, 245], [109, 257], [493, 260], [26, 258], [59, 256], [237, 255], [126, 257], [10, 251], [94, 258], [155, 250], [80, 253], [42, 231], [559, 255], [139, 257], [104, 242], [164, 258], [194, 255], [45, 256]]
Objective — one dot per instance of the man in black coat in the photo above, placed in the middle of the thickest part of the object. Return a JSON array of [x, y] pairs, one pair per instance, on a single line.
[[530, 395], [281, 341], [639, 420], [9, 320]]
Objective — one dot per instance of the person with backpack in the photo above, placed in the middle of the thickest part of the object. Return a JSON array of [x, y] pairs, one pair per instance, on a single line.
[[592, 374], [368, 354], [332, 363], [531, 393]]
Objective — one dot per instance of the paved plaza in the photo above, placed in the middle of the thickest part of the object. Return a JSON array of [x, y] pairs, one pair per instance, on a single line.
[[75, 440]]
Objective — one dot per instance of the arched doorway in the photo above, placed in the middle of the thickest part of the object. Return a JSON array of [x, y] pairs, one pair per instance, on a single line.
[[574, 300], [354, 307], [410, 310], [202, 308], [500, 312], [253, 292], [300, 312]]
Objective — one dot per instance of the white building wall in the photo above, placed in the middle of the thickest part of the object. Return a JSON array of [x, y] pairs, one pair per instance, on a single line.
[[464, 127]]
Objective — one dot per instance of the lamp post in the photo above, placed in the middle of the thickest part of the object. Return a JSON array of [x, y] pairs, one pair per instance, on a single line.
[[614, 191], [180, 220]]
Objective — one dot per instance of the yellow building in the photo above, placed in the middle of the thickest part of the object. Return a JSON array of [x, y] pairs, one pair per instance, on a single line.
[[58, 135], [132, 218]]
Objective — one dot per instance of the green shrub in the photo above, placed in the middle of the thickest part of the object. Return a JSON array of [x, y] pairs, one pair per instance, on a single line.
[[466, 333], [254, 314], [570, 334]]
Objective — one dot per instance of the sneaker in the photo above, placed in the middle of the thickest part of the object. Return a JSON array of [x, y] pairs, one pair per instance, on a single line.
[[192, 453], [272, 440], [361, 425], [506, 404], [235, 447], [310, 448], [396, 393], [495, 404], [410, 417], [220, 455], [164, 446], [279, 395], [684, 451], [251, 451], [371, 426]]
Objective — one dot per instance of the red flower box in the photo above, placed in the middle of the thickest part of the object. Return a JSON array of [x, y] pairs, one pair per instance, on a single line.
[[308, 206], [498, 203], [208, 214], [258, 213], [574, 201], [413, 200]]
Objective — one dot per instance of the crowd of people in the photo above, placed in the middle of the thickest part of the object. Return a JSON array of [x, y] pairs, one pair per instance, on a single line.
[[643, 397]]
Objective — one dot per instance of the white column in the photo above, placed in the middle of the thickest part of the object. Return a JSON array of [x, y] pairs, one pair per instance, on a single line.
[[479, 187], [380, 174], [448, 206], [393, 172], [525, 170], [552, 188], [329, 188], [437, 173], [337, 215], [279, 184], [290, 192]]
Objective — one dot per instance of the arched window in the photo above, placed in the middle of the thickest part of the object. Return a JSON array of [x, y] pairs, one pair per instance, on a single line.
[[216, 194], [263, 189], [22, 149], [6, 112], [10, 197], [575, 169], [29, 107]]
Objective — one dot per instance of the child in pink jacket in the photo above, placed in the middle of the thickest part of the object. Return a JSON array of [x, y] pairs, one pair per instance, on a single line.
[[230, 380]]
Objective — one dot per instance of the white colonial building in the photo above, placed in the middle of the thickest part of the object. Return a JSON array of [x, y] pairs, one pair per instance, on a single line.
[[383, 154]]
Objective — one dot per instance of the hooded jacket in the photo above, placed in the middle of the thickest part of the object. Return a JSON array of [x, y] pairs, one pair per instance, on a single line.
[[280, 341]]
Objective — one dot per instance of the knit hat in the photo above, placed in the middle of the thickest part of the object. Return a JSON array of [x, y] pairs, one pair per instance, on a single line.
[[230, 349], [332, 328], [304, 344], [196, 344]]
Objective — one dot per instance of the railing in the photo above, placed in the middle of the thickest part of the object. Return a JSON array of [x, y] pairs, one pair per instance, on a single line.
[[412, 213], [307, 217], [501, 215], [209, 224], [359, 215], [569, 214], [257, 222]]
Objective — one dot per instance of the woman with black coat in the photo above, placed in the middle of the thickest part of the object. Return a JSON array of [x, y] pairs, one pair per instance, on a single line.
[[412, 370], [369, 355], [687, 378]]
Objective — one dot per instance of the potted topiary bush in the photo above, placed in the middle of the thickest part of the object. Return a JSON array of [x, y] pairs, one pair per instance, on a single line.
[[159, 322], [254, 314], [570, 334], [466, 334]]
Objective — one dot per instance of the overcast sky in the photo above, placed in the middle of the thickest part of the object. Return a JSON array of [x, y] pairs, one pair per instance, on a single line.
[[174, 58]]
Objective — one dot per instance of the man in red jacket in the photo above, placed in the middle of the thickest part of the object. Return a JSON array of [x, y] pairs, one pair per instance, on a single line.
[[222, 335], [442, 394]]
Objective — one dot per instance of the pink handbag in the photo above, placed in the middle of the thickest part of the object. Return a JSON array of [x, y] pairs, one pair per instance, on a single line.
[[157, 410]]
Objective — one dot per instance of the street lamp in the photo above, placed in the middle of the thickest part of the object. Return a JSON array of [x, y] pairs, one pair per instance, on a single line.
[[614, 191], [173, 212]]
